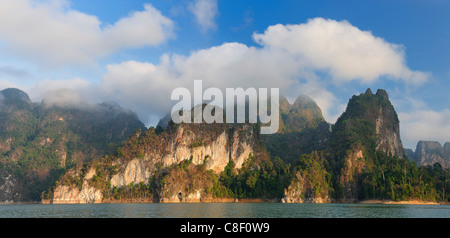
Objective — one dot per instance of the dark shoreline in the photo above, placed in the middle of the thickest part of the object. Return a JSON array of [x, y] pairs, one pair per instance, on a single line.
[[233, 200]]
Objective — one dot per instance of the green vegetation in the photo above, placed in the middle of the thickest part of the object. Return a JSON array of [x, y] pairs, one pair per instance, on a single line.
[[303, 114], [378, 175], [314, 171], [289, 146], [38, 143], [266, 179], [356, 126], [140, 191], [41, 147], [392, 178], [197, 144]]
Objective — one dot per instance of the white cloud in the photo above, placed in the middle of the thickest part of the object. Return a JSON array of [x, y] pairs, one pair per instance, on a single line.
[[424, 124], [285, 60], [65, 98], [4, 84], [148, 27], [141, 87], [53, 34], [347, 52], [419, 122], [146, 87], [289, 58], [331, 106], [75, 92], [205, 12]]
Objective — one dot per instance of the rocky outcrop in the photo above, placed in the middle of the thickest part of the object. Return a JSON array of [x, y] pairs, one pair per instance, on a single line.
[[388, 137], [8, 187], [447, 153], [40, 140], [350, 174], [387, 127], [135, 172], [428, 153], [303, 114], [212, 146], [368, 126], [181, 197], [295, 192], [410, 154], [71, 195], [217, 153], [302, 130], [299, 192], [369, 121], [309, 183]]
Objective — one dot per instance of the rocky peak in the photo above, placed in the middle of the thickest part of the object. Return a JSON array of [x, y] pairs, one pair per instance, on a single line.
[[145, 155], [431, 152], [12, 99], [369, 121], [41, 141], [368, 125], [14, 94], [303, 102], [303, 114], [383, 94], [302, 129], [429, 146], [410, 154], [447, 148]]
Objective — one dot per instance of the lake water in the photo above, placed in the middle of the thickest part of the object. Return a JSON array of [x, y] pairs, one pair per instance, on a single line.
[[224, 210]]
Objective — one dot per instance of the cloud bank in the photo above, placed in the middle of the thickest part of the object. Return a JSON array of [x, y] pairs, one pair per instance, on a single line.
[[292, 57], [424, 124], [345, 51], [288, 57], [52, 34]]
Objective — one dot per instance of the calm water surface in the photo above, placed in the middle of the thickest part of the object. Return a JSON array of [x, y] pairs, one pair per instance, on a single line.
[[224, 210]]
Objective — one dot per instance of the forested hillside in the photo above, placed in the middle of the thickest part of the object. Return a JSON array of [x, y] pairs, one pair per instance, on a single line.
[[38, 142]]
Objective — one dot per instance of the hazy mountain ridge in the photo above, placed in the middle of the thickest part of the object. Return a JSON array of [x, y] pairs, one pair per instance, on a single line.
[[181, 163], [39, 141], [431, 152], [369, 125], [303, 114], [360, 158], [302, 130]]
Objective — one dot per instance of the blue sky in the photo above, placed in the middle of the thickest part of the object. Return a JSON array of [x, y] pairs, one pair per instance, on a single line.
[[135, 52]]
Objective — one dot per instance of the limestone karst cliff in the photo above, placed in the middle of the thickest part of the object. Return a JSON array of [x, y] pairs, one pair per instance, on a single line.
[[39, 140], [149, 156], [368, 125], [302, 130], [360, 157], [310, 182], [431, 152]]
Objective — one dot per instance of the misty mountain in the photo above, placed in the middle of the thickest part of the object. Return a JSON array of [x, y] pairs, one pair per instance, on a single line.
[[367, 132], [302, 129], [39, 141], [428, 153], [360, 158], [103, 153]]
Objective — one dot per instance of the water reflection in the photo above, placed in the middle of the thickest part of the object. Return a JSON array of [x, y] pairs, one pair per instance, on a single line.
[[226, 210]]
